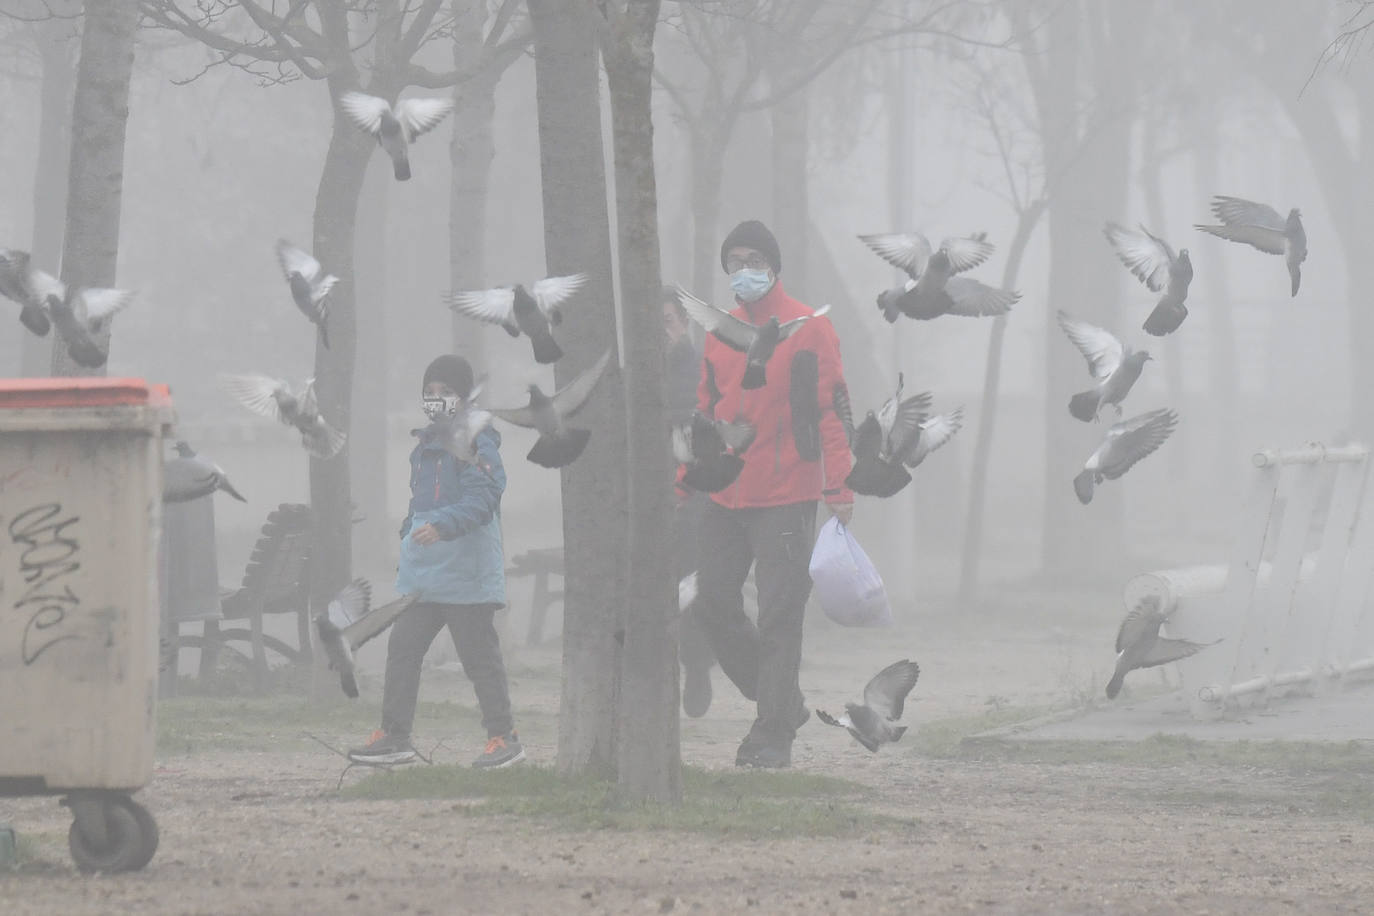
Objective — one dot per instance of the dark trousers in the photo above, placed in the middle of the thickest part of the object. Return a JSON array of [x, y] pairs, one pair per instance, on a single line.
[[694, 650], [763, 659], [479, 649]]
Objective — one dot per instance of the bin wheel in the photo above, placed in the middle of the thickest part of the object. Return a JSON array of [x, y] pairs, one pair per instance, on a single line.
[[130, 839]]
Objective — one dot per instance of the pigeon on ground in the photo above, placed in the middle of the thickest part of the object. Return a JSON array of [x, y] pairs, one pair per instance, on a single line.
[[351, 603], [30, 287], [933, 289], [273, 398], [558, 444], [883, 441], [1260, 226], [1126, 443], [1113, 365], [310, 285], [875, 722], [757, 342], [190, 477], [395, 128], [80, 315], [517, 309], [1139, 645], [710, 450], [1155, 264]]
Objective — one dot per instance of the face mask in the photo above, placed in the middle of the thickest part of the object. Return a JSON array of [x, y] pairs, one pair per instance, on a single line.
[[440, 407], [750, 285]]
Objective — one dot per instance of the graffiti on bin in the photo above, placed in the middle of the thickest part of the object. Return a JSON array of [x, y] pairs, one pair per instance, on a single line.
[[48, 554]]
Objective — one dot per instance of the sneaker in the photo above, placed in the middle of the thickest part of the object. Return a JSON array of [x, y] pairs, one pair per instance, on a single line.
[[382, 750], [696, 691], [766, 756], [502, 751]]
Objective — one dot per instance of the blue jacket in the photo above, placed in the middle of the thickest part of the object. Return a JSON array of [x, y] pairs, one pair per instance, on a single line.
[[463, 501]]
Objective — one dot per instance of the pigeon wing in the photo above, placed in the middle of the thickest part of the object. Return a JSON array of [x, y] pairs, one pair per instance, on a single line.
[[364, 110], [101, 304], [828, 719], [738, 435], [419, 116], [569, 399], [554, 291], [295, 261], [886, 692], [1145, 255], [788, 328], [966, 253], [1236, 211], [906, 424], [1099, 346], [494, 306], [256, 392], [351, 603], [15, 278], [844, 410], [1171, 650], [1134, 439], [1267, 240], [682, 443], [517, 416], [935, 432], [974, 299], [1137, 625], [735, 333], [908, 251]]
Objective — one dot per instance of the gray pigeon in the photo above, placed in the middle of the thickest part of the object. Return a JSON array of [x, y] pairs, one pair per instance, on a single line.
[[310, 285], [1139, 645], [933, 289], [883, 441], [1261, 227], [395, 128], [1150, 259], [273, 398], [350, 604], [1126, 443], [533, 311], [757, 342], [190, 477], [1113, 365], [875, 722], [80, 315], [558, 444], [710, 450], [30, 287]]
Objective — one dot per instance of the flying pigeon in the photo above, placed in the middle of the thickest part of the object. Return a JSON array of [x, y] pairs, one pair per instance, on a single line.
[[710, 449], [883, 441], [875, 722], [80, 315], [1113, 365], [190, 477], [517, 309], [460, 430], [933, 289], [351, 603], [310, 285], [1126, 443], [1139, 645], [558, 444], [1260, 226], [395, 128], [1155, 264], [30, 287], [273, 398], [756, 342]]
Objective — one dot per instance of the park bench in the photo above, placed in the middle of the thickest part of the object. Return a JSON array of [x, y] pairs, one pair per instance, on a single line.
[[539, 563]]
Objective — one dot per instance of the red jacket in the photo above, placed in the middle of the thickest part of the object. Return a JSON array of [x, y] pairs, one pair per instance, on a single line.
[[800, 452]]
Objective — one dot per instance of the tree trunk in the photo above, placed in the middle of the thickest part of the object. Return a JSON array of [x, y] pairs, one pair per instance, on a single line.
[[470, 154], [791, 202], [577, 238], [100, 113], [972, 556], [54, 42], [708, 170], [650, 755]]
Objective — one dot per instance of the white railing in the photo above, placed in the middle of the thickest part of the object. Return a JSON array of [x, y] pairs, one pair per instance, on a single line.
[[1291, 606]]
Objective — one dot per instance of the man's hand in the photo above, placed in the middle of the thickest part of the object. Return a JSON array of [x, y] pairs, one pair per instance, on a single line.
[[425, 535], [842, 511]]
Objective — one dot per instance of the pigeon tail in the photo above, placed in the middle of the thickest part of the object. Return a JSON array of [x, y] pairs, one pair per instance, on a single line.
[[402, 167], [874, 477], [546, 349], [1084, 406], [35, 319], [349, 684], [228, 487], [897, 733], [1297, 278], [559, 451], [1083, 486], [324, 330], [87, 354], [754, 377], [1165, 318], [1114, 685], [713, 474]]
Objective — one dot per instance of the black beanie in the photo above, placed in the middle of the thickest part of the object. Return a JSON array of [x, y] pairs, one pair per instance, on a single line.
[[752, 234], [453, 371]]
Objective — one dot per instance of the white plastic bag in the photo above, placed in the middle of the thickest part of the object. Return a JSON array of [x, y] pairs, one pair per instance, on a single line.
[[847, 585]]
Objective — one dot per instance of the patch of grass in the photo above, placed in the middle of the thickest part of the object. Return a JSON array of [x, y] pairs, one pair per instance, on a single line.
[[944, 737], [744, 804], [1160, 750]]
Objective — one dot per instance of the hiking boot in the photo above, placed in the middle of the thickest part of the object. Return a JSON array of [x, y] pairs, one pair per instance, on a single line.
[[502, 751], [383, 750], [769, 755], [696, 691]]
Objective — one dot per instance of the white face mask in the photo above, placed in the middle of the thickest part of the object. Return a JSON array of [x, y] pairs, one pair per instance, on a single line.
[[751, 285], [437, 407]]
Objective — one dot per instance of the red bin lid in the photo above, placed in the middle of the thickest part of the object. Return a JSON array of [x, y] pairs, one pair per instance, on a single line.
[[81, 391]]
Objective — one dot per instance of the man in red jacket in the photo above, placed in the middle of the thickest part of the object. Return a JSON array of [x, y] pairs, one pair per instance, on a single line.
[[767, 517]]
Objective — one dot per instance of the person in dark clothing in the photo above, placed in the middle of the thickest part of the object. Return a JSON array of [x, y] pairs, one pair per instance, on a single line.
[[767, 518], [452, 561], [684, 371]]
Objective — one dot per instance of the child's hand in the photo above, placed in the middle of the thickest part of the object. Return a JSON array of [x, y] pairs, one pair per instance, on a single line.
[[425, 535]]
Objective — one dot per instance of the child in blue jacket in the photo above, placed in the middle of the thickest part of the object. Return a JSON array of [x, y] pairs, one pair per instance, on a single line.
[[451, 559]]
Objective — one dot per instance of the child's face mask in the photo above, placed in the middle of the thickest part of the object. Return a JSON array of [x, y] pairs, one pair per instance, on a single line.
[[442, 406]]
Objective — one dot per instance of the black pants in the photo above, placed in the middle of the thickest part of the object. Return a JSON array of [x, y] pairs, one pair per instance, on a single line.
[[479, 649], [694, 650], [763, 660]]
